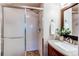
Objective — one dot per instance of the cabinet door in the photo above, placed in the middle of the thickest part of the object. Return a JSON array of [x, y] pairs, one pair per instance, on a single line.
[[53, 52]]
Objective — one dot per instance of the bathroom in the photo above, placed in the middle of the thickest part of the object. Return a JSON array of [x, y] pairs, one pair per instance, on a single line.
[[60, 21], [29, 28], [60, 16]]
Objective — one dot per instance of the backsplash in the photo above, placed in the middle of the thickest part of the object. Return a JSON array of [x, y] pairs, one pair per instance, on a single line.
[[72, 37], [68, 38]]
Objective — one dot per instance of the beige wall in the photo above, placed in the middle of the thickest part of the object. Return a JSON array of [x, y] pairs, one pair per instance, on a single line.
[[50, 11], [40, 33]]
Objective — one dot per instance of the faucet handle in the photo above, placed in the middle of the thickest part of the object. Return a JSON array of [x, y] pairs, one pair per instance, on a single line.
[[68, 39]]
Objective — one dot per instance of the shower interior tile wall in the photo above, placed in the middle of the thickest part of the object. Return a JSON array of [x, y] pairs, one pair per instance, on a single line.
[[31, 30]]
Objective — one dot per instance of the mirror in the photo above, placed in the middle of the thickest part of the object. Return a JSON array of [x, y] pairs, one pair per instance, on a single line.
[[70, 19]]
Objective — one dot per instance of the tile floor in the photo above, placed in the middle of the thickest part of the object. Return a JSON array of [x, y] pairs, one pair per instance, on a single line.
[[32, 53]]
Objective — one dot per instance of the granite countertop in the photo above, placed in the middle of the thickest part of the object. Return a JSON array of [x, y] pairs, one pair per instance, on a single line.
[[64, 47]]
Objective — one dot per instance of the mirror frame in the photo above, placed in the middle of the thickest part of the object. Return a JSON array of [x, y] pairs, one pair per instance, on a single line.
[[62, 19], [62, 12]]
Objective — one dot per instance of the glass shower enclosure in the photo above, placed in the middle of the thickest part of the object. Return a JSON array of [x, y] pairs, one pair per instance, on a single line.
[[12, 31]]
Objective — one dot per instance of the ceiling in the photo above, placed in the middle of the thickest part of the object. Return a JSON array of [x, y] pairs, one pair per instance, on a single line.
[[25, 4], [75, 9]]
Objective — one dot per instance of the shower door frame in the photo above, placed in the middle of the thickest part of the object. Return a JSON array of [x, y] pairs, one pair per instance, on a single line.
[[2, 28]]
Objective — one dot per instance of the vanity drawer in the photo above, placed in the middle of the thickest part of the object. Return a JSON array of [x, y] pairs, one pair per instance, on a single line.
[[53, 52]]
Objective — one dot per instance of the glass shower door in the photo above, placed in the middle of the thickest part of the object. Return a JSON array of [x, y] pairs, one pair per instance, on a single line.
[[13, 31]]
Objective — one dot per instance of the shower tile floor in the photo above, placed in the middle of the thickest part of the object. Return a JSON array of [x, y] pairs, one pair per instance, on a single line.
[[32, 53]]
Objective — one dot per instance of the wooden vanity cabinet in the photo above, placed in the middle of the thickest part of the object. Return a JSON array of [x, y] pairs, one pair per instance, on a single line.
[[53, 52]]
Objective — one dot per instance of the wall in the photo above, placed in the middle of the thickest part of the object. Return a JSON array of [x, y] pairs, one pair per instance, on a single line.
[[40, 33], [50, 11]]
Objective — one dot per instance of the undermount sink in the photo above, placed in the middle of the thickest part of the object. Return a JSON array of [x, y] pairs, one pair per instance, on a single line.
[[67, 47], [64, 47]]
